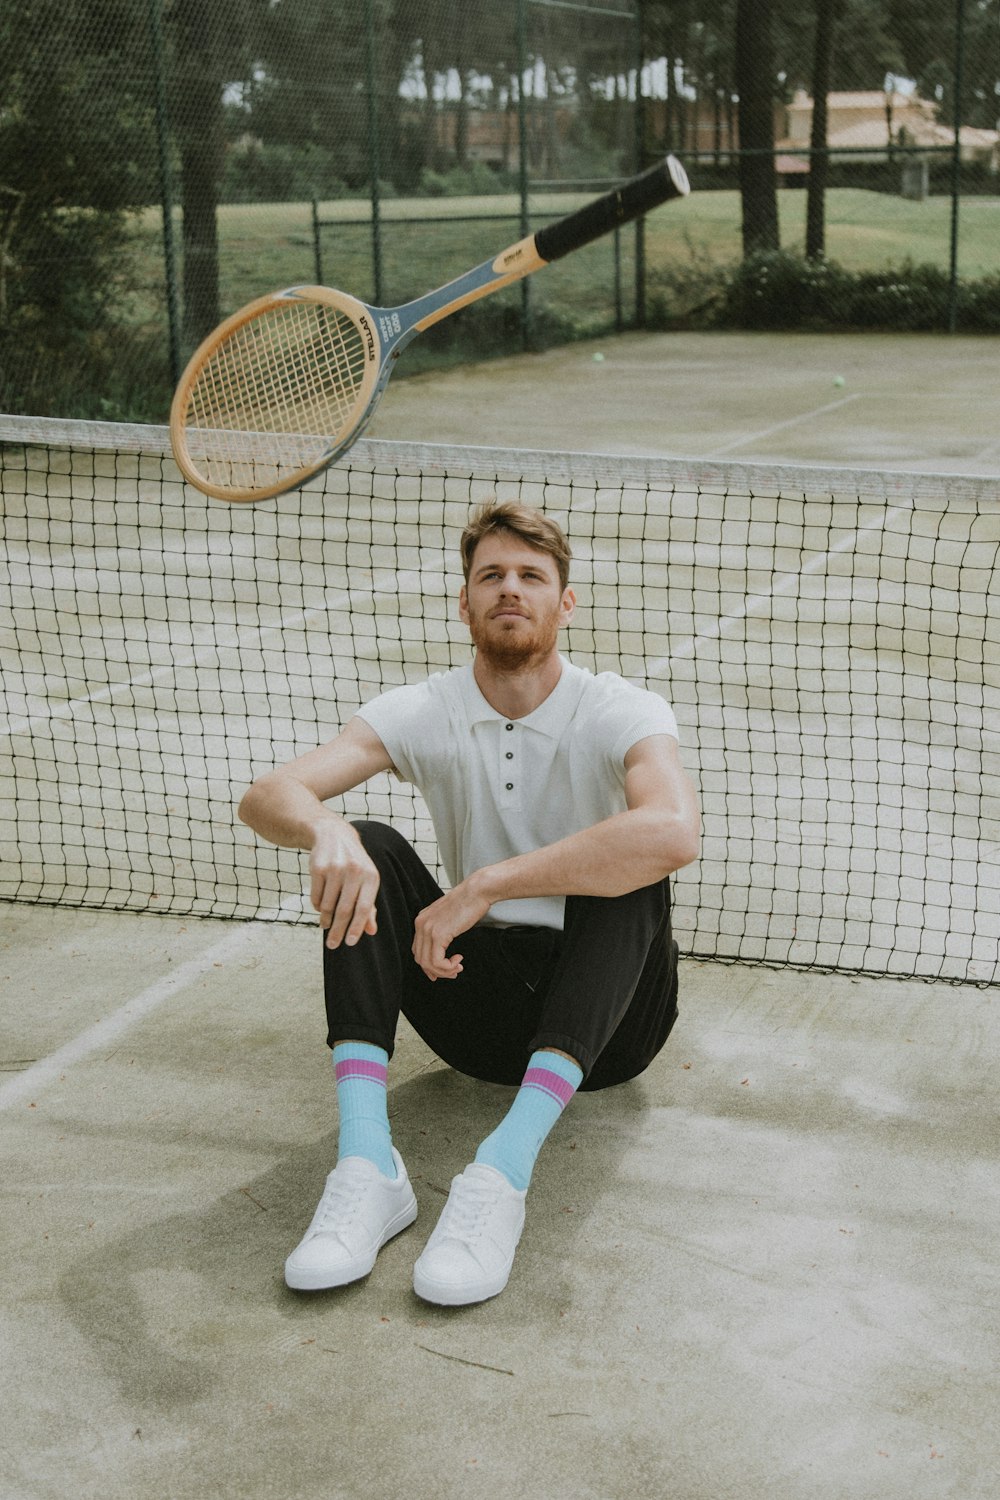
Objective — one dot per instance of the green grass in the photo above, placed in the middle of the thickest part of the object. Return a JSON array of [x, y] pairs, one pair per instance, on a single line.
[[865, 231], [265, 246]]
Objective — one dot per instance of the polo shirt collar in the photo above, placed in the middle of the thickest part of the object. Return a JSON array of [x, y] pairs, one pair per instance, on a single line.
[[549, 718]]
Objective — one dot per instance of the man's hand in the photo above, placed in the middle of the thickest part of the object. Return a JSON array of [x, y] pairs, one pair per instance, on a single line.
[[287, 807], [439, 924], [345, 882]]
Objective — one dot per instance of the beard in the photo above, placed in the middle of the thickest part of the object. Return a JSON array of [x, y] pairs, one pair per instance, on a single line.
[[513, 644]]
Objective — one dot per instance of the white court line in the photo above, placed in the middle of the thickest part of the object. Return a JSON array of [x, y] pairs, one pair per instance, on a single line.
[[807, 416], [49, 1069], [194, 658], [690, 646]]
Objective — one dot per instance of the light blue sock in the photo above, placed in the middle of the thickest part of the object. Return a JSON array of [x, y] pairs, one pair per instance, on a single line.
[[361, 1071], [547, 1087]]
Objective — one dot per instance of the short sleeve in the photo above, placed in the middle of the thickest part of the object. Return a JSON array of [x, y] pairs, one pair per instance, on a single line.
[[403, 720], [628, 714], [652, 717]]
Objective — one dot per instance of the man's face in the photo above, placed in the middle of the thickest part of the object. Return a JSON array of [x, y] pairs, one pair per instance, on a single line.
[[513, 603]]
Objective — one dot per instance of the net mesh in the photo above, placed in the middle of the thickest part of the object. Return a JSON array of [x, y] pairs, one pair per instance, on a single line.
[[830, 641]]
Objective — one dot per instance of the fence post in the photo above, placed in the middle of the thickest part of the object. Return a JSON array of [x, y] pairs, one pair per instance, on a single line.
[[374, 153], [166, 185], [522, 160], [640, 158], [317, 247]]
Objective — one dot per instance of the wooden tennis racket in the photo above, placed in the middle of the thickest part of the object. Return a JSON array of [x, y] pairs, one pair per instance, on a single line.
[[286, 385]]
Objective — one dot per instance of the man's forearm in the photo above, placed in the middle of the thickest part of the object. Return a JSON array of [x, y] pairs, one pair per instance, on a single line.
[[623, 853], [288, 806], [285, 812], [343, 880]]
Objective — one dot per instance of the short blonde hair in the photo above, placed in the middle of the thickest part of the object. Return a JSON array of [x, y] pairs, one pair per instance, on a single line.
[[521, 521]]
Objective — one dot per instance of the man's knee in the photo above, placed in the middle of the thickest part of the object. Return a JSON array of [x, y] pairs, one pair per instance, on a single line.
[[381, 838], [646, 910], [397, 861]]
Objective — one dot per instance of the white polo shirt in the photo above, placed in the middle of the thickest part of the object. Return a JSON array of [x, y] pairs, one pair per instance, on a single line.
[[498, 787]]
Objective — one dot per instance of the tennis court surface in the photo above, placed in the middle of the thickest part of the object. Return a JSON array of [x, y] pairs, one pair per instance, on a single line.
[[921, 402], [768, 1266]]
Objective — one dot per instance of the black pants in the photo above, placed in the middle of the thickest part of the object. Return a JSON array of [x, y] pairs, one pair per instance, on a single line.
[[603, 990]]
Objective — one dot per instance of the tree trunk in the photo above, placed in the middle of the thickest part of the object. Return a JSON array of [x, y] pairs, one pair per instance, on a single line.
[[199, 194], [200, 138], [818, 161], [462, 120], [671, 102], [431, 144], [755, 85]]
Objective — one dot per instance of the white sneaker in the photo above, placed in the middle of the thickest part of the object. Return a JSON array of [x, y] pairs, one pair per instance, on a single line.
[[360, 1210], [470, 1254]]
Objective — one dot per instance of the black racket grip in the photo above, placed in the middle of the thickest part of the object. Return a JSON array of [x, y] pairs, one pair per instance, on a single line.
[[666, 180]]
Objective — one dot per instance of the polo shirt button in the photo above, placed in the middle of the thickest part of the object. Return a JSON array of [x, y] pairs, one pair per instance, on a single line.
[[510, 786], [510, 755], [510, 726]]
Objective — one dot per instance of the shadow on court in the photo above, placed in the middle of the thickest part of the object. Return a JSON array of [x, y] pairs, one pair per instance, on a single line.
[[765, 1267]]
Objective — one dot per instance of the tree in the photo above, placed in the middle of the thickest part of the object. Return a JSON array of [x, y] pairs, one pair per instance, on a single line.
[[755, 85], [816, 191], [76, 148], [926, 33], [209, 47], [199, 73], [696, 38], [306, 85]]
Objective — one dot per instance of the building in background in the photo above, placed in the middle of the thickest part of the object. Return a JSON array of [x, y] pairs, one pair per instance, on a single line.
[[874, 121]]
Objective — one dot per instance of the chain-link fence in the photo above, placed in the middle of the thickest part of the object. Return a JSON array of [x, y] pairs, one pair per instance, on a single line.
[[163, 161]]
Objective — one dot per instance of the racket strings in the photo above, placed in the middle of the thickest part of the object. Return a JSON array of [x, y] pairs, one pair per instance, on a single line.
[[294, 372]]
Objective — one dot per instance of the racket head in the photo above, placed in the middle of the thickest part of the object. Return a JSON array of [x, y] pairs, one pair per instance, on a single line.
[[276, 393]]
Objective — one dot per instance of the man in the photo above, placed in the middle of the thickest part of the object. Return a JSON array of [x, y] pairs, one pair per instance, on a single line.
[[560, 807]]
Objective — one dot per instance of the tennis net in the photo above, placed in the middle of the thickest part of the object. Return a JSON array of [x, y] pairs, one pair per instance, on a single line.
[[830, 641]]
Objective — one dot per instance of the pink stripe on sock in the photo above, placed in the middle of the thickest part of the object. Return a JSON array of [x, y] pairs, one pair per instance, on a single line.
[[357, 1067], [550, 1083]]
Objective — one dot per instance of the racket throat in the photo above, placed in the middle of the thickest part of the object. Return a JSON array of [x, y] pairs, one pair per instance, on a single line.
[[393, 329], [396, 326]]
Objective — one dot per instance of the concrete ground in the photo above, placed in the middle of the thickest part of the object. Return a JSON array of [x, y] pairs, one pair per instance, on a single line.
[[766, 1268]]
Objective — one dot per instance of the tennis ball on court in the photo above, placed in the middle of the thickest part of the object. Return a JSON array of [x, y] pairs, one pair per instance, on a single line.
[[598, 359], [838, 381]]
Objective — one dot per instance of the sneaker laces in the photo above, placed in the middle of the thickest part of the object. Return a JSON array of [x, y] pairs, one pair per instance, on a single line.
[[340, 1201], [468, 1209]]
